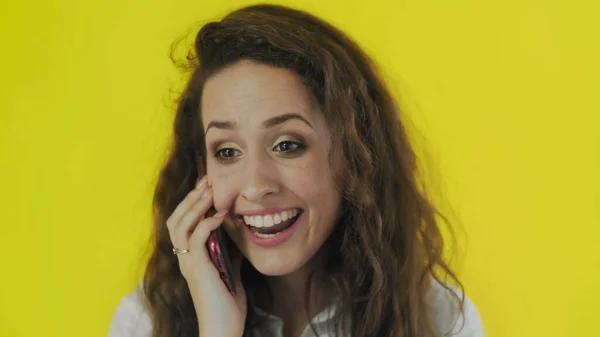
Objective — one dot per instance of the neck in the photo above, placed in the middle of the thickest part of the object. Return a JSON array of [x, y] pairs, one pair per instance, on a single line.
[[291, 299], [290, 292]]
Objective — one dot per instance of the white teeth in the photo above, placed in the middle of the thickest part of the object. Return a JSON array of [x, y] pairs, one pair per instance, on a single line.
[[270, 219], [267, 236], [258, 221]]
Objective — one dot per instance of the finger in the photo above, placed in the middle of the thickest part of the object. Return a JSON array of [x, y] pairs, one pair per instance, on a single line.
[[181, 232], [202, 231], [191, 198]]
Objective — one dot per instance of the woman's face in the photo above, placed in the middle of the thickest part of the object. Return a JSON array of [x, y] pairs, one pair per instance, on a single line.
[[267, 148]]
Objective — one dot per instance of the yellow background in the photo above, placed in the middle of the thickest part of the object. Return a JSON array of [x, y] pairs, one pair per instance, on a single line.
[[504, 94]]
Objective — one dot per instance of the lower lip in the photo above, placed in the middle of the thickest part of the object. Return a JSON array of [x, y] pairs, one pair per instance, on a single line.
[[276, 240]]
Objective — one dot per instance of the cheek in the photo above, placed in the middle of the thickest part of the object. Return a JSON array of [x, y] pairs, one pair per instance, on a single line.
[[225, 191], [315, 183]]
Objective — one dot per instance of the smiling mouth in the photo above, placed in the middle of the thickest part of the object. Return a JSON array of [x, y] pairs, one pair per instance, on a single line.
[[271, 225]]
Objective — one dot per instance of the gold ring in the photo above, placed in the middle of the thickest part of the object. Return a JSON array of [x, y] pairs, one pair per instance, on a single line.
[[180, 251]]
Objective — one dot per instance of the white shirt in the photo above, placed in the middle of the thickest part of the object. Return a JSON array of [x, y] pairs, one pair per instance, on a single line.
[[132, 320]]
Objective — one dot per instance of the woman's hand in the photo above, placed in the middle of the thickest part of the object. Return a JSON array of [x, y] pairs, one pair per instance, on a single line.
[[219, 313]]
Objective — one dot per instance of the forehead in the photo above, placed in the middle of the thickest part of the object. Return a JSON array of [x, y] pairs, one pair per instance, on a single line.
[[249, 91]]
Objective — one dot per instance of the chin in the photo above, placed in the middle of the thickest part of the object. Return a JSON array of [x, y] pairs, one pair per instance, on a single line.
[[274, 266]]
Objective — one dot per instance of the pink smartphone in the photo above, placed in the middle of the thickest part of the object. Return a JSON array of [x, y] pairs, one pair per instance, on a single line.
[[218, 246], [218, 249]]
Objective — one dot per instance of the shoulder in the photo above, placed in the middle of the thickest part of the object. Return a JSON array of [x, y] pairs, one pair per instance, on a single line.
[[131, 318], [449, 319]]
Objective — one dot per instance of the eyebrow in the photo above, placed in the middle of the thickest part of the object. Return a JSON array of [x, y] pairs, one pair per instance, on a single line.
[[269, 123]]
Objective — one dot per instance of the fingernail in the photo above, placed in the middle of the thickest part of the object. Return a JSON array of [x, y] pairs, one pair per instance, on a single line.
[[220, 214], [206, 193], [200, 183]]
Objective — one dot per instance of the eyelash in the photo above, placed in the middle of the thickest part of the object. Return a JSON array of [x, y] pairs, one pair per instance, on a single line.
[[298, 149], [221, 158], [298, 146]]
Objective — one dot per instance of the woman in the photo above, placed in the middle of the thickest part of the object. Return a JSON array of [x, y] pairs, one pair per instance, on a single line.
[[312, 176]]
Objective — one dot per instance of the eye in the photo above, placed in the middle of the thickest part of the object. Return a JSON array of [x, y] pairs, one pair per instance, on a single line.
[[226, 154], [289, 146]]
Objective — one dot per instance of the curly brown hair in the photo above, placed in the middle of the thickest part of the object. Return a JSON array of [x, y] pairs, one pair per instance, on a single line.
[[387, 247]]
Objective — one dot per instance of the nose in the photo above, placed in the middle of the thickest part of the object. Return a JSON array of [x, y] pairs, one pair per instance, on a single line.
[[260, 180]]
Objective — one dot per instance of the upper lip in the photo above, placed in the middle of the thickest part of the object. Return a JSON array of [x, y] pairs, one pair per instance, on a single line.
[[264, 211]]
